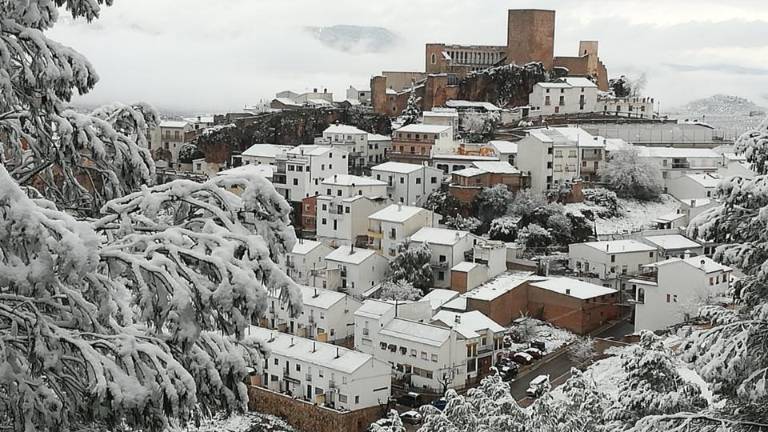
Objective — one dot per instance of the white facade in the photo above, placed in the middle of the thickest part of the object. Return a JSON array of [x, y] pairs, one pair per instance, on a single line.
[[306, 166], [450, 163], [408, 184], [443, 117], [556, 155], [390, 227], [359, 269], [676, 291], [440, 136], [170, 136], [673, 245], [378, 148], [305, 259], [634, 106], [328, 375], [506, 151], [344, 207], [606, 262], [692, 186], [361, 95], [327, 316], [261, 154], [569, 95], [677, 161], [448, 249]]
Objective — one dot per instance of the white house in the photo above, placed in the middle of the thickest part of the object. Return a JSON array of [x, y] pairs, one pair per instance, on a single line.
[[450, 163], [359, 269], [321, 373], [261, 154], [327, 316], [673, 290], [167, 140], [305, 167], [391, 226], [734, 165], [378, 147], [449, 247], [344, 205], [361, 95], [305, 259], [432, 139], [568, 95], [438, 297], [633, 106], [692, 186], [678, 161], [557, 155], [487, 260], [606, 262], [407, 183], [506, 151], [442, 117]]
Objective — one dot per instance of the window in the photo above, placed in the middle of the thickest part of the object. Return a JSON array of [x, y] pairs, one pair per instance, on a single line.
[[433, 180], [434, 358], [562, 100], [325, 207], [440, 276], [668, 298], [291, 168], [613, 258], [547, 101], [433, 58], [277, 362], [295, 182], [413, 353], [442, 258], [324, 221], [338, 192], [383, 345], [403, 350], [298, 367], [357, 399], [418, 180], [327, 191], [346, 210], [711, 281], [342, 398], [402, 180], [650, 254], [392, 348], [423, 355]]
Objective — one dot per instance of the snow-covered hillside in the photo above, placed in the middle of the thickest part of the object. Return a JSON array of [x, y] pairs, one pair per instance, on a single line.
[[732, 115], [635, 215]]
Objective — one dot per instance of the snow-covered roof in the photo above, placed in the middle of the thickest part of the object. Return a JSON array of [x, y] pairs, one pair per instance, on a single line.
[[344, 129], [391, 91], [504, 147], [374, 309], [619, 246], [423, 128], [573, 287], [696, 202], [578, 82], [615, 144], [310, 150], [396, 213], [464, 266], [669, 217], [469, 104], [177, 124], [317, 297], [200, 119], [463, 157], [441, 236], [415, 331], [500, 167], [677, 152], [397, 167], [377, 137], [347, 255], [469, 172], [328, 356], [318, 102], [705, 180], [459, 303], [266, 150], [450, 114], [266, 171], [468, 324], [553, 85], [672, 242], [352, 180], [702, 262], [567, 136], [498, 286], [304, 246], [286, 101], [438, 297]]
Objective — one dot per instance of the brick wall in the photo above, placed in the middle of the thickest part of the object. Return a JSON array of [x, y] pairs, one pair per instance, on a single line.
[[308, 417], [505, 308], [531, 36], [459, 281], [577, 315]]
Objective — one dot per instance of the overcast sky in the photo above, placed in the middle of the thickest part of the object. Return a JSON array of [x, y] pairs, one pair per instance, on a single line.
[[205, 56]]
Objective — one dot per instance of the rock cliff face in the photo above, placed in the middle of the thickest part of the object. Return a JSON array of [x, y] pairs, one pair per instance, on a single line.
[[504, 86], [285, 127]]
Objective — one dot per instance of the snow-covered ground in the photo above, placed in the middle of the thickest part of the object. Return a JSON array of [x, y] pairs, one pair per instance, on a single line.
[[636, 215], [248, 422], [554, 338]]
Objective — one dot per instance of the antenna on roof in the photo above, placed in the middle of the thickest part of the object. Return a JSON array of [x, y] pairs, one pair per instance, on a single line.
[[291, 341], [316, 294]]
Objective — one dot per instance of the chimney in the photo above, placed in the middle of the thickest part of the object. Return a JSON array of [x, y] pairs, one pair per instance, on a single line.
[[687, 254], [271, 337], [693, 203], [334, 177], [703, 262], [568, 291], [457, 319], [337, 352], [292, 341], [316, 294], [325, 90], [399, 207], [314, 90], [352, 248], [314, 348]]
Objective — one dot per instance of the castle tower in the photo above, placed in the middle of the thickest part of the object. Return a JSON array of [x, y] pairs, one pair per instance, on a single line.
[[531, 36]]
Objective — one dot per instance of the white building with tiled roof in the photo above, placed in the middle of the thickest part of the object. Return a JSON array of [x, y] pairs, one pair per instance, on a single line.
[[673, 245], [567, 95], [672, 291], [606, 262], [306, 260], [389, 227], [302, 170], [407, 183], [343, 207], [321, 373], [359, 269], [448, 249]]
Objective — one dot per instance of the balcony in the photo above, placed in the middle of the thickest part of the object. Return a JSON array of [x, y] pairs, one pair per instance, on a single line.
[[375, 234], [332, 209], [332, 384], [440, 265], [591, 156], [681, 165], [343, 272], [308, 377]]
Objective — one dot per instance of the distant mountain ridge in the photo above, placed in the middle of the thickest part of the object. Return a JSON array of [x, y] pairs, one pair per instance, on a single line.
[[354, 39], [721, 104]]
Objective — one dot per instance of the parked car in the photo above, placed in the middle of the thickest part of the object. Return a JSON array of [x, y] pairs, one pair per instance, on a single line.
[[411, 417], [411, 399], [439, 403], [539, 345], [538, 386], [522, 358], [508, 373], [534, 352]]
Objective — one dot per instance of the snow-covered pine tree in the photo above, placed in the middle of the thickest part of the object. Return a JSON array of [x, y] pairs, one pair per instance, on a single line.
[[632, 176], [492, 203], [391, 423], [399, 290], [79, 161], [504, 228], [411, 265], [754, 146], [145, 321], [412, 111]]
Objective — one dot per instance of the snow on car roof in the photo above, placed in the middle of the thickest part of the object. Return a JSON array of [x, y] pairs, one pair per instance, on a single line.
[[396, 213], [397, 167], [343, 129], [573, 287], [498, 286], [468, 324], [348, 255], [672, 241], [332, 357], [415, 331]]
